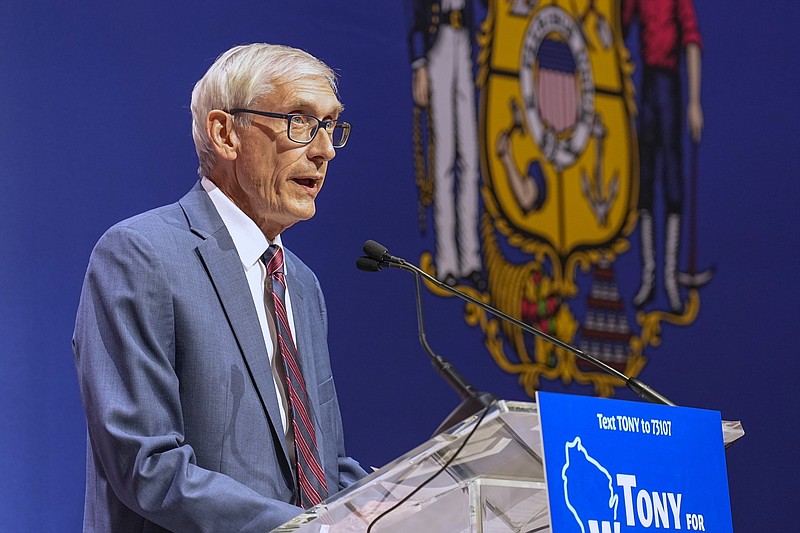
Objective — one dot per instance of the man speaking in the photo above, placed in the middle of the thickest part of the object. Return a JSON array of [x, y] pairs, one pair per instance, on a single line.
[[200, 341]]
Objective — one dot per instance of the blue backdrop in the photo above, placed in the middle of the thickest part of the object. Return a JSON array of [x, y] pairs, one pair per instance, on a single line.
[[97, 128]]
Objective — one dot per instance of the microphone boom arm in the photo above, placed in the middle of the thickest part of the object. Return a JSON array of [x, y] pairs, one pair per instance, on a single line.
[[638, 387]]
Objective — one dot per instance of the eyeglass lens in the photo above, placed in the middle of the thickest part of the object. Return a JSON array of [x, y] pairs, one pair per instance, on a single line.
[[302, 129]]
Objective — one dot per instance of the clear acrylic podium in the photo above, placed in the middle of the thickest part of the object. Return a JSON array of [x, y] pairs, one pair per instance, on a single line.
[[495, 484]]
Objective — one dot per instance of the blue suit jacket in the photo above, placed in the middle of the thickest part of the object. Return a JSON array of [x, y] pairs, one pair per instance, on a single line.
[[184, 431]]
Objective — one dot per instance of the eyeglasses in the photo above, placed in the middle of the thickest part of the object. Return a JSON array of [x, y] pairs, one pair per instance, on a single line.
[[303, 128]]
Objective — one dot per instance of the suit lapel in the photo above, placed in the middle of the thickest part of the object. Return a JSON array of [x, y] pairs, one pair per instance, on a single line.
[[224, 267]]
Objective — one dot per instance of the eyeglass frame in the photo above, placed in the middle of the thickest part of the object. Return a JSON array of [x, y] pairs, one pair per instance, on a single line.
[[289, 116]]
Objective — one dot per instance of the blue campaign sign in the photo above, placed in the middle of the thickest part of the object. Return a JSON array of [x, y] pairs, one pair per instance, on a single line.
[[614, 466]]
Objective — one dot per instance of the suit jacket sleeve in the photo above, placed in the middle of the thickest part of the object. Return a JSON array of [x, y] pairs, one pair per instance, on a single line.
[[124, 346]]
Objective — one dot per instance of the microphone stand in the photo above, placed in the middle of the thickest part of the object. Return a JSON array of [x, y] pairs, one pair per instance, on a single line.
[[472, 401]]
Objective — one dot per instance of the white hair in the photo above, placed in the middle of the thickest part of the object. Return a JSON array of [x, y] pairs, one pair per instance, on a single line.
[[240, 76]]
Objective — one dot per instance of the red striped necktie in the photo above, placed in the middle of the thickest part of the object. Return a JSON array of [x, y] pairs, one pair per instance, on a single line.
[[311, 478]]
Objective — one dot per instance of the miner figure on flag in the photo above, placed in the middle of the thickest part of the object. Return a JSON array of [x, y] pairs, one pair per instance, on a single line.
[[667, 28]]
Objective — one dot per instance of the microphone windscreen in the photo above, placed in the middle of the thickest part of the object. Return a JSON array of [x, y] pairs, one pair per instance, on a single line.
[[368, 264], [374, 250]]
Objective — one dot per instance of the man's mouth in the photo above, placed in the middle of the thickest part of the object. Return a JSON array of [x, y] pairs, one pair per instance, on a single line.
[[310, 183]]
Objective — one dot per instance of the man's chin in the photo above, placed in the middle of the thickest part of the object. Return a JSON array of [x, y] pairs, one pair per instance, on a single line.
[[304, 213]]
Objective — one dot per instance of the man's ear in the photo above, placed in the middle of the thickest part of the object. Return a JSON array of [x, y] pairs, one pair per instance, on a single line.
[[220, 131]]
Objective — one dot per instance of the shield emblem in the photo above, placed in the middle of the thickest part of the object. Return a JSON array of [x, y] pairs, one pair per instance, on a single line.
[[556, 86], [557, 97]]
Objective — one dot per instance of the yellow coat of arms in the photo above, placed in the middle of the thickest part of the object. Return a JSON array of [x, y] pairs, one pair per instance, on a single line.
[[559, 162]]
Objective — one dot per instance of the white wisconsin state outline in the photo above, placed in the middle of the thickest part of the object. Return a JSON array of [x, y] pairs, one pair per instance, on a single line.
[[612, 501]]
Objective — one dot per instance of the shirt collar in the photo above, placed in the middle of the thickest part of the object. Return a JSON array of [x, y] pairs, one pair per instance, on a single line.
[[250, 242]]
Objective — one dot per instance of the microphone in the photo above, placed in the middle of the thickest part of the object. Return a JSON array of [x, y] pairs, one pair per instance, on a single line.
[[381, 256], [380, 253], [472, 400], [368, 264]]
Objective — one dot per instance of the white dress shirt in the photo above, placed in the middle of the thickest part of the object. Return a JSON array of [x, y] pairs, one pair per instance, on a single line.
[[251, 244]]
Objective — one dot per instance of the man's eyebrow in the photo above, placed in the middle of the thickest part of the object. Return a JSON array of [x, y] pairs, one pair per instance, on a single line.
[[302, 103]]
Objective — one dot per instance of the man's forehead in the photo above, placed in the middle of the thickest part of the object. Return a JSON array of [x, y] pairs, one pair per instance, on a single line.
[[312, 92]]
